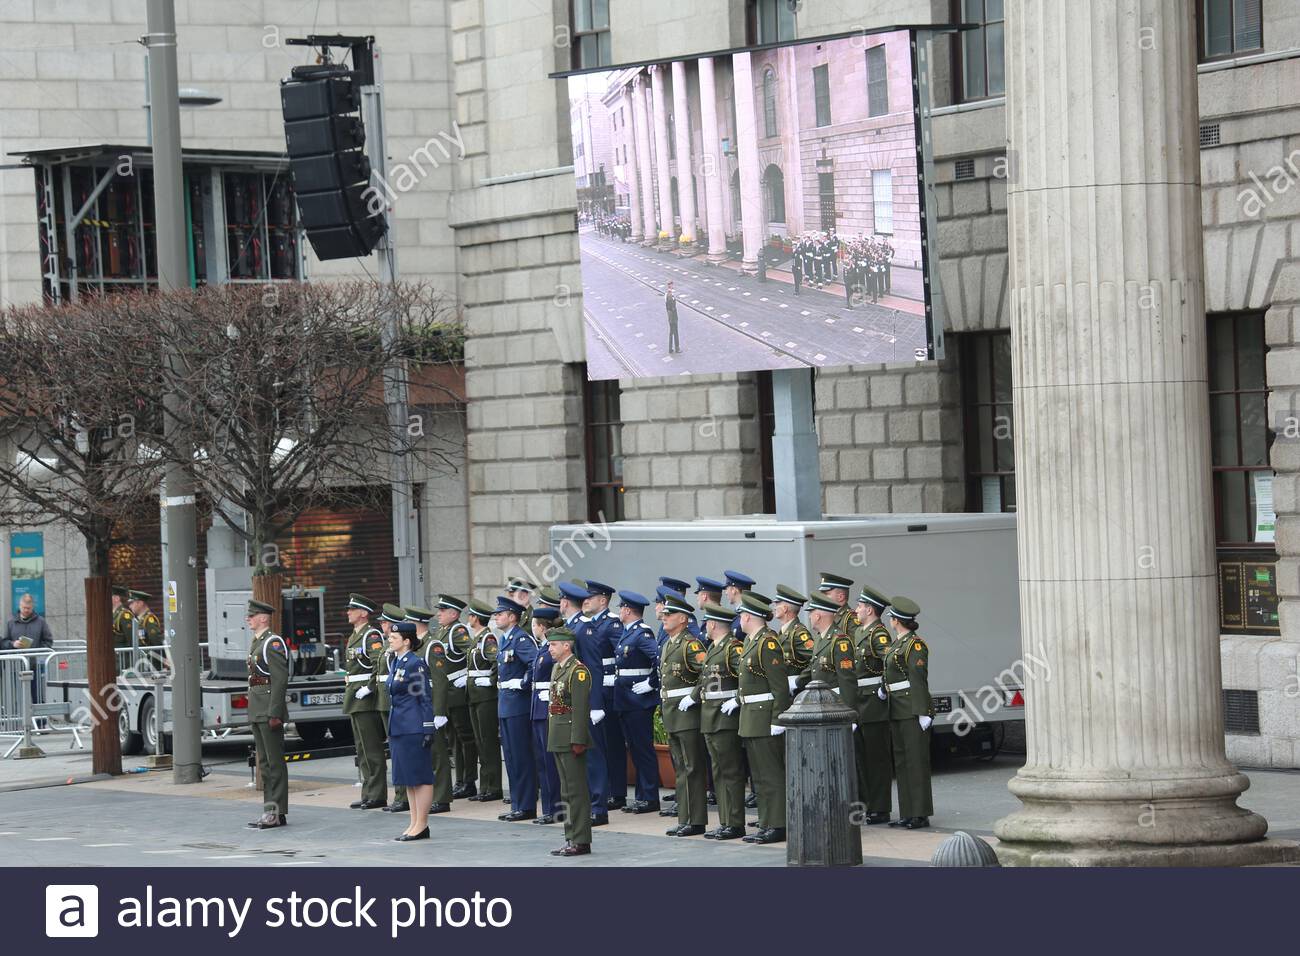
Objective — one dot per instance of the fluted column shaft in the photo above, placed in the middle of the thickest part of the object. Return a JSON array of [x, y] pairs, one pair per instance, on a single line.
[[751, 189], [685, 165], [666, 223], [633, 178], [1115, 532], [712, 163], [644, 178]]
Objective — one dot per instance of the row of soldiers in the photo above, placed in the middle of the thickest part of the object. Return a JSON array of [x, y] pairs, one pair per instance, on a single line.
[[614, 227], [134, 622], [867, 270]]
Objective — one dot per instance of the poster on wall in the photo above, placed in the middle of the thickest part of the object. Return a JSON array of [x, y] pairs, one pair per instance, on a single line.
[[27, 569], [753, 209]]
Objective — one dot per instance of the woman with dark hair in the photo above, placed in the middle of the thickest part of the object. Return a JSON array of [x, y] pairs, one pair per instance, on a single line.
[[410, 726]]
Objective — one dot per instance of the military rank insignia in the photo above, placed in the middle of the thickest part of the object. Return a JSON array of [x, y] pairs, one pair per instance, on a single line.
[[582, 675]]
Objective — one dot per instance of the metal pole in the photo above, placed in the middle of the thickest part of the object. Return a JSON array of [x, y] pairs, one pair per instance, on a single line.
[[29, 749], [796, 466], [406, 531], [181, 611]]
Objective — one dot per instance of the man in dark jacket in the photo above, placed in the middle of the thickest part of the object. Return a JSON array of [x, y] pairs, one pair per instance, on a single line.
[[670, 306], [27, 629]]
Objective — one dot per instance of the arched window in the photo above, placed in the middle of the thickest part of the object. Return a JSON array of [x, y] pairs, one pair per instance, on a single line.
[[774, 193], [769, 102]]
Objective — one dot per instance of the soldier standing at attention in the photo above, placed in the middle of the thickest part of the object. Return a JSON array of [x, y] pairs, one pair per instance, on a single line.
[[607, 630], [737, 584], [708, 590], [875, 753], [268, 679], [390, 615], [123, 619], [636, 697], [482, 695], [151, 631], [836, 587], [716, 691], [434, 652], [520, 590], [764, 696], [455, 637], [681, 660], [515, 652], [591, 653], [364, 654], [833, 659], [411, 725], [796, 640], [910, 715], [568, 735], [538, 686]]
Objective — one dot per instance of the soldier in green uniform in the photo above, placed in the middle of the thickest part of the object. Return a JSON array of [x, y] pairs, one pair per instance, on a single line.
[[568, 735], [123, 619], [482, 694], [268, 679], [520, 590], [681, 661], [795, 639], [455, 637], [907, 688], [364, 655], [833, 659], [764, 696], [837, 587], [875, 752], [151, 630], [716, 692], [435, 655]]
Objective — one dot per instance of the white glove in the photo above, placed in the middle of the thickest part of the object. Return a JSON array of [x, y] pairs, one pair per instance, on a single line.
[[855, 728], [608, 680], [439, 723], [880, 692], [643, 687], [461, 681], [686, 703], [925, 722], [729, 705], [777, 730], [543, 695], [793, 681], [482, 681], [597, 716], [516, 683], [363, 693]]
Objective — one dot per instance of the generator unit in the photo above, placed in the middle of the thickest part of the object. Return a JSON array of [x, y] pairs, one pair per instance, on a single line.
[[302, 624]]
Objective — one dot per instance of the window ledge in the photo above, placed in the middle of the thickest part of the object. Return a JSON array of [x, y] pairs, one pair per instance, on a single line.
[[1214, 66], [969, 107]]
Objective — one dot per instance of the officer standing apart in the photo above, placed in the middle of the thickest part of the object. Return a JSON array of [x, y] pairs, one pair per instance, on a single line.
[[364, 653], [516, 650], [568, 735], [716, 691], [875, 752], [434, 652], [635, 699], [681, 660], [455, 637], [410, 726], [908, 688], [268, 679], [123, 619], [482, 693], [670, 307], [764, 696], [538, 686]]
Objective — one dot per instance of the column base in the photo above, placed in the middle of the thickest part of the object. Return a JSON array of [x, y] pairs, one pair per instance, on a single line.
[[716, 258], [1259, 853], [749, 268]]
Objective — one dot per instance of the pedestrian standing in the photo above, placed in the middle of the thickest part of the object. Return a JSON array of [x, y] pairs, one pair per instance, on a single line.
[[796, 269], [670, 306], [268, 679]]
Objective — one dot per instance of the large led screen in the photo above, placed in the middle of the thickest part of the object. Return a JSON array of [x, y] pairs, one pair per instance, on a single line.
[[758, 209]]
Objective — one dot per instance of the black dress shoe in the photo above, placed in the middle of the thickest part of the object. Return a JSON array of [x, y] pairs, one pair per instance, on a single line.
[[440, 808], [268, 821], [517, 815], [917, 823], [713, 799], [616, 803], [878, 817], [572, 849], [772, 835], [546, 819], [728, 833], [397, 807], [669, 811], [561, 850], [899, 822], [463, 790], [486, 797], [751, 801], [644, 806], [408, 837], [599, 820], [690, 829], [504, 816], [368, 805], [712, 834], [672, 831]]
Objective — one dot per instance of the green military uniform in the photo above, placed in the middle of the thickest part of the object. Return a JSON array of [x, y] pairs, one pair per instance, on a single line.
[[151, 631], [764, 694], [681, 660], [845, 621], [908, 690], [268, 681], [123, 619], [568, 723], [435, 655], [457, 641], [482, 698], [875, 751], [717, 688], [834, 662], [364, 656]]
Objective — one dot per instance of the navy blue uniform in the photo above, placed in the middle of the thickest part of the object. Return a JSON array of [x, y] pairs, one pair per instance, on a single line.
[[515, 653], [410, 720], [637, 654], [589, 651], [538, 686]]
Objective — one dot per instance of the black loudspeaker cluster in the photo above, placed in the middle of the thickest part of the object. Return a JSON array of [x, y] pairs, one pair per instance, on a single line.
[[326, 138]]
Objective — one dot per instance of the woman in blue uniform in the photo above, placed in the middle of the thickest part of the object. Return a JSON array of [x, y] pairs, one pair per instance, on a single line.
[[410, 726]]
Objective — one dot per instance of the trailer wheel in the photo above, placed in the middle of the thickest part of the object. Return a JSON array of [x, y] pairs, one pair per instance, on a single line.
[[131, 742], [149, 732]]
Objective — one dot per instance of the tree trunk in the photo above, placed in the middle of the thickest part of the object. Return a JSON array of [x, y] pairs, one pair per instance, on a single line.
[[101, 678], [268, 588]]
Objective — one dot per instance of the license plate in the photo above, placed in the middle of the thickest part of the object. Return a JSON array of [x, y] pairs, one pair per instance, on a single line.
[[322, 700]]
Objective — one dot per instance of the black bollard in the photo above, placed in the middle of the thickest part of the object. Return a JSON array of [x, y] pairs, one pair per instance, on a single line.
[[821, 781]]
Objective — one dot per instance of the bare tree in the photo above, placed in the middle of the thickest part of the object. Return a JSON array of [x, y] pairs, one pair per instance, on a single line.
[[74, 448]]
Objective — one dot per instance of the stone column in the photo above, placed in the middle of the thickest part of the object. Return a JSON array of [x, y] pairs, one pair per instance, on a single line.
[[685, 165], [711, 161], [633, 178], [666, 223], [1125, 762], [788, 111], [751, 188], [642, 130]]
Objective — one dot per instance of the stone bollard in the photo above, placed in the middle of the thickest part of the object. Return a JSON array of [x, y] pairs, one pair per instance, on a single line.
[[29, 749], [821, 781], [962, 849]]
